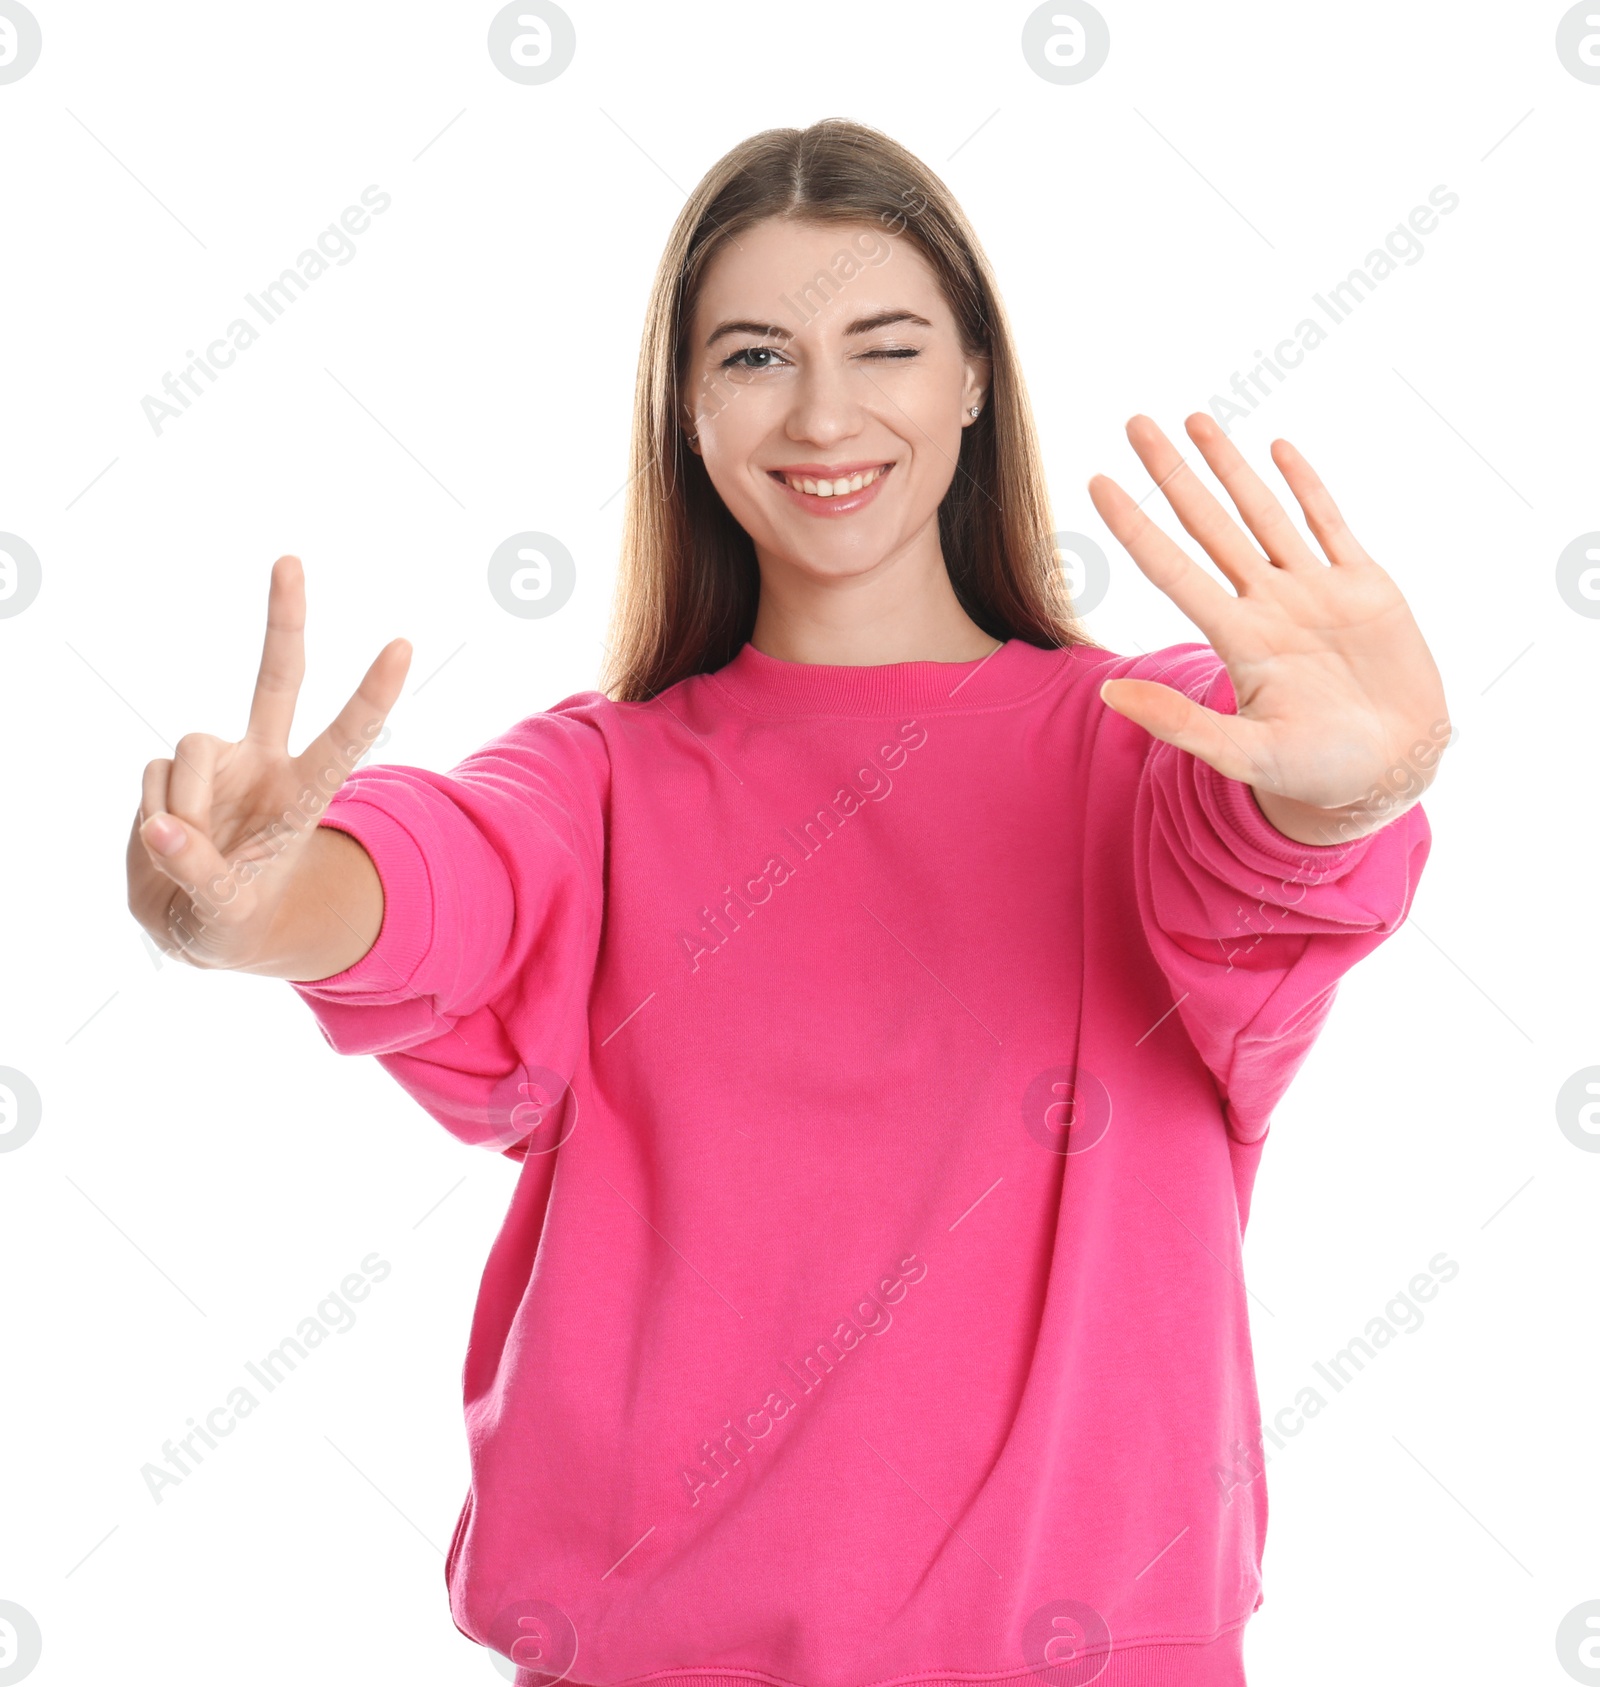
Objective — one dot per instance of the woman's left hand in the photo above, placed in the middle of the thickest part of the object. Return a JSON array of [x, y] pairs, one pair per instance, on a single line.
[[1337, 692]]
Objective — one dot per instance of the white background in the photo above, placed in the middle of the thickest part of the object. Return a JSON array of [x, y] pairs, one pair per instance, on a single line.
[[207, 1168]]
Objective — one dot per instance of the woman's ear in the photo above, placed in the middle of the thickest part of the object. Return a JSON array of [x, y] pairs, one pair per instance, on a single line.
[[975, 389], [691, 439]]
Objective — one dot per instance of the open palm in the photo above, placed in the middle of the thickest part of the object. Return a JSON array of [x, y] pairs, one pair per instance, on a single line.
[[1334, 684]]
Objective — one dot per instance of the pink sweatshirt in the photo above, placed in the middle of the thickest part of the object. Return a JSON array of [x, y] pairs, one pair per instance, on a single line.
[[888, 1052]]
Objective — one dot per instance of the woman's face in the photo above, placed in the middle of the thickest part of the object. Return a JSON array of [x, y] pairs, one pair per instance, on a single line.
[[822, 358]]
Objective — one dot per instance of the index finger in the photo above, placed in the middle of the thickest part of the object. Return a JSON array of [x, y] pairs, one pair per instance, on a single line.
[[283, 656], [1161, 561]]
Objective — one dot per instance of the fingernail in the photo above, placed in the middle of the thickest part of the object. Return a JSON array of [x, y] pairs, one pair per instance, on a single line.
[[164, 834]]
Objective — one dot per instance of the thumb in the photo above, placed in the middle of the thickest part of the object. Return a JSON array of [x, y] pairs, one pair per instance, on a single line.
[[1225, 742], [186, 856]]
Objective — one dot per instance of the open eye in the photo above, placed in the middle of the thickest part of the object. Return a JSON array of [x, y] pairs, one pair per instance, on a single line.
[[738, 358]]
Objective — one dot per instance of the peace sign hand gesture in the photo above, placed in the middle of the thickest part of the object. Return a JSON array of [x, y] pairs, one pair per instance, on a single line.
[[223, 829], [1336, 689]]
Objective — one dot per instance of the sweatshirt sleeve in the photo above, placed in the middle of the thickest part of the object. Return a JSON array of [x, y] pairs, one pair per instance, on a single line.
[[493, 879], [1252, 929]]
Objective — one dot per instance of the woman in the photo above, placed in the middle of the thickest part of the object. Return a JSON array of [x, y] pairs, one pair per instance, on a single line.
[[884, 988]]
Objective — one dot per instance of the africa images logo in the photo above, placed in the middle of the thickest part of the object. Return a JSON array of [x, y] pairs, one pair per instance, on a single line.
[[800, 1381], [813, 832]]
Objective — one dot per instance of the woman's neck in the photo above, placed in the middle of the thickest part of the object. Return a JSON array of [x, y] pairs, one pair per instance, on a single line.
[[865, 621]]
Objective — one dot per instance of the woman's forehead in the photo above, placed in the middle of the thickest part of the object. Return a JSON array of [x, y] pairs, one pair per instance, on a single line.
[[787, 273]]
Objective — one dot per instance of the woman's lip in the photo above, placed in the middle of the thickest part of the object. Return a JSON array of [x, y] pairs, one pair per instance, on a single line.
[[846, 503], [830, 471]]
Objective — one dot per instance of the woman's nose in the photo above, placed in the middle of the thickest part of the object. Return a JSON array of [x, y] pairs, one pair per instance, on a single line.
[[825, 408]]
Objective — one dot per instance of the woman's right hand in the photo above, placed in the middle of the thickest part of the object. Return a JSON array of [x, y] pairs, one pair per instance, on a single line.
[[223, 830]]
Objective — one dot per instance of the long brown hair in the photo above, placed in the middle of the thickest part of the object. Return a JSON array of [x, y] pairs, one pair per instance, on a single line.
[[688, 582]]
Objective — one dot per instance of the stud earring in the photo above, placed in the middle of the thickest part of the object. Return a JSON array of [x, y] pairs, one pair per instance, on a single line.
[[973, 411]]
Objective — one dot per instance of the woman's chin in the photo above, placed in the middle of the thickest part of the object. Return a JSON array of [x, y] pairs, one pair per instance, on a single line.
[[834, 557]]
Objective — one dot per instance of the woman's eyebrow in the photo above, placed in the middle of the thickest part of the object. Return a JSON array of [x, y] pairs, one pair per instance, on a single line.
[[763, 328], [865, 324], [862, 325]]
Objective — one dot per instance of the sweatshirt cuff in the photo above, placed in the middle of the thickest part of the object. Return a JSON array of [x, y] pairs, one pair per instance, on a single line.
[[1232, 805], [385, 972]]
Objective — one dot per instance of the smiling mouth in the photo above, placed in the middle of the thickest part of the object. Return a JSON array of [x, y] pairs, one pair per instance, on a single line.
[[819, 487]]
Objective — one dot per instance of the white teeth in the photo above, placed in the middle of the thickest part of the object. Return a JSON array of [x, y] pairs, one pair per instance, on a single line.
[[833, 488]]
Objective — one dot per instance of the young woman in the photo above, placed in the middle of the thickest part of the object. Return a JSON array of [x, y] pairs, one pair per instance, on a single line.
[[884, 988]]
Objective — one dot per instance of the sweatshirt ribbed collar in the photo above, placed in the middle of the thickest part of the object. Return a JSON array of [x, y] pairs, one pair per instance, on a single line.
[[766, 685]]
